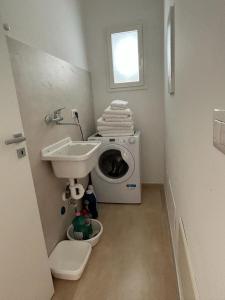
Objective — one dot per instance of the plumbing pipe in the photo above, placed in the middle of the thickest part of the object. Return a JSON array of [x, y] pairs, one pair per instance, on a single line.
[[76, 189]]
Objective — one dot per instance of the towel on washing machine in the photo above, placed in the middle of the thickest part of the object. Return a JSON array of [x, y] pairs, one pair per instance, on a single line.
[[117, 118], [113, 128], [119, 104], [122, 112], [102, 122], [117, 133]]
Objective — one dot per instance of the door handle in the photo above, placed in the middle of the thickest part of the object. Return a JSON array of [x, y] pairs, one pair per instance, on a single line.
[[17, 138]]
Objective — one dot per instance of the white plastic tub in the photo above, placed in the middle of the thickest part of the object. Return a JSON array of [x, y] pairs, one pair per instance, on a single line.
[[97, 227], [69, 258]]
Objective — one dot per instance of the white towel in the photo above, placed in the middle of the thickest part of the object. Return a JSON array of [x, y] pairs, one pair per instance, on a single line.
[[101, 122], [119, 104], [117, 108], [115, 133], [113, 128], [126, 112], [119, 116], [116, 118]]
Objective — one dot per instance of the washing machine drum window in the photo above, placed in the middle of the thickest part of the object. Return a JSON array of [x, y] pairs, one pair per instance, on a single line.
[[112, 164], [115, 164]]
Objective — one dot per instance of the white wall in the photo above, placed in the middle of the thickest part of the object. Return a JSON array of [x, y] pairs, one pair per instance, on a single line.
[[147, 104], [55, 26], [196, 169], [44, 82]]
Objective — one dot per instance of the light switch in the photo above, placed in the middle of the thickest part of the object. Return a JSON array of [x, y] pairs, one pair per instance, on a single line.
[[216, 131], [222, 133], [219, 130]]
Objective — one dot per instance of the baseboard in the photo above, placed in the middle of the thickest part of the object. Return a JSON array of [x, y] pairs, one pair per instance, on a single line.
[[186, 272], [172, 242], [171, 210], [185, 276]]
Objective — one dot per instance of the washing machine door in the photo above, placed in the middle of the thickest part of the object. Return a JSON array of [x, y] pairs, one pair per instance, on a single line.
[[115, 163]]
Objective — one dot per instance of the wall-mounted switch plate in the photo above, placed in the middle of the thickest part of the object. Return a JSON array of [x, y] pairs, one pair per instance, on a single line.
[[219, 130], [216, 131], [21, 152]]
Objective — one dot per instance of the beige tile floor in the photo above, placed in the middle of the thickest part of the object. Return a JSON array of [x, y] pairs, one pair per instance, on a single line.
[[133, 261]]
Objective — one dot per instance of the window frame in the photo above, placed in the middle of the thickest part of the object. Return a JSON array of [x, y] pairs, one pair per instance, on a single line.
[[126, 85]]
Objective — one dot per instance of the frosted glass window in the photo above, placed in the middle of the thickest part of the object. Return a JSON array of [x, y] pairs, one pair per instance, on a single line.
[[126, 57]]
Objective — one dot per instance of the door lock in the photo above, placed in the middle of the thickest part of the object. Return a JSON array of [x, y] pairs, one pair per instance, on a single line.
[[21, 152]]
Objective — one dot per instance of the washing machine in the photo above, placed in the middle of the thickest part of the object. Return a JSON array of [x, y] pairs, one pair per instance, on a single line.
[[116, 178]]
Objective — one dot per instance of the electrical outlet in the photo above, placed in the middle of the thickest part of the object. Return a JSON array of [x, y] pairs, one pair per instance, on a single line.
[[73, 112]]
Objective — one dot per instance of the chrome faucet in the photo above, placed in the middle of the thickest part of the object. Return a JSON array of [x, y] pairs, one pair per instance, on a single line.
[[54, 117]]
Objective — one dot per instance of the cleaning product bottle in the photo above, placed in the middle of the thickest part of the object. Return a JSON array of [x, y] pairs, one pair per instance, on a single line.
[[90, 202], [80, 228], [86, 214]]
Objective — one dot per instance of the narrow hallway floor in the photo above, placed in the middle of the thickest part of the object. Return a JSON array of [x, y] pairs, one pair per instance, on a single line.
[[133, 260]]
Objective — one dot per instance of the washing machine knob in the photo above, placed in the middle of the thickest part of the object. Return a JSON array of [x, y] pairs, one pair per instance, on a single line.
[[131, 140]]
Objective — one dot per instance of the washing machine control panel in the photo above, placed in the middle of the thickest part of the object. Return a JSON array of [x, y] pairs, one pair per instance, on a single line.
[[130, 140]]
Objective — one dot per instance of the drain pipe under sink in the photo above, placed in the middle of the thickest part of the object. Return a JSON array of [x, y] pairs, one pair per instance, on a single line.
[[76, 189]]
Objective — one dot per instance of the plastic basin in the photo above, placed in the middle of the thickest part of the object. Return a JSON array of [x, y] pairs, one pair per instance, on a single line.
[[97, 227]]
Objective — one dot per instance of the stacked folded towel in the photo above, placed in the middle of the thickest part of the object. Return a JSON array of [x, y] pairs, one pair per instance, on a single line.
[[117, 120]]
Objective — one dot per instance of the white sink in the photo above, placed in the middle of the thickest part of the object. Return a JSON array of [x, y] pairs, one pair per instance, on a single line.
[[72, 159]]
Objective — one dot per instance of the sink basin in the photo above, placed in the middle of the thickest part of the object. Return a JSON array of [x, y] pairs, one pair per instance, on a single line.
[[72, 159]]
